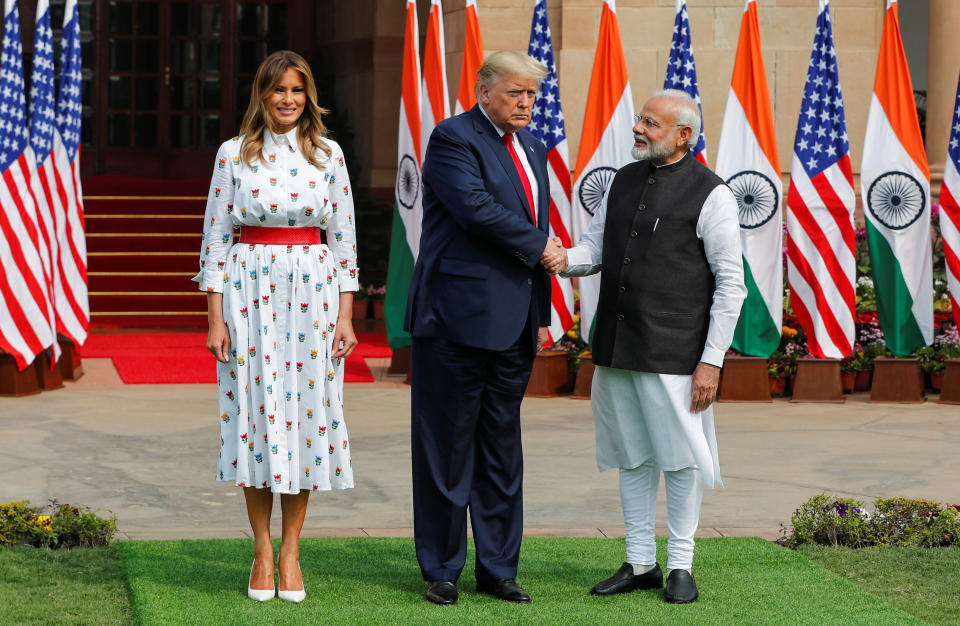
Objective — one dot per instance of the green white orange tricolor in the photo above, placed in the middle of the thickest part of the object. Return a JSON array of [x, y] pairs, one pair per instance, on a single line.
[[605, 144], [895, 187], [408, 209], [747, 159]]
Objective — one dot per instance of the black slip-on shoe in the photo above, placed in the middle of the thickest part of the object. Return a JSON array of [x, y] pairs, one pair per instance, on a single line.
[[681, 587], [625, 581]]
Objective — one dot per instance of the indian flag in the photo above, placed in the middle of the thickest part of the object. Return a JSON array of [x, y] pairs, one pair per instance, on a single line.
[[408, 209], [895, 187], [747, 160], [472, 59], [435, 103], [605, 144]]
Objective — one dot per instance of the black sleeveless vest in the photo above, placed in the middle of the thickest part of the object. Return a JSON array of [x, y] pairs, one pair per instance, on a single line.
[[656, 287]]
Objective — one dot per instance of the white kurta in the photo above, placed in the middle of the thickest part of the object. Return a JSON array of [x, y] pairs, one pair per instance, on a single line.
[[281, 406], [643, 415]]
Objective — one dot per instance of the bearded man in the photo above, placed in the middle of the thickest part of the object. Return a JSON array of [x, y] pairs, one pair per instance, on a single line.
[[667, 238]]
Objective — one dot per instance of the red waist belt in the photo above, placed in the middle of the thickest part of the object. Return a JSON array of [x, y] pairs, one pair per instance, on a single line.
[[281, 236]]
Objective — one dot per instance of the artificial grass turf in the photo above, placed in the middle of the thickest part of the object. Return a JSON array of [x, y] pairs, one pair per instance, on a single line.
[[39, 586], [372, 580], [922, 581]]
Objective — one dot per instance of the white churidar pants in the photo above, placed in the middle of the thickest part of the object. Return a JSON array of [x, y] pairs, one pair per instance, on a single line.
[[638, 495], [644, 426]]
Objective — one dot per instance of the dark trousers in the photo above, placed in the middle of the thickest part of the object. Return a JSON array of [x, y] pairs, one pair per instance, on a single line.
[[466, 453]]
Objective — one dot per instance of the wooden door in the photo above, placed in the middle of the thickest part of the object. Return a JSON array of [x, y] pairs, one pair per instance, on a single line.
[[174, 77]]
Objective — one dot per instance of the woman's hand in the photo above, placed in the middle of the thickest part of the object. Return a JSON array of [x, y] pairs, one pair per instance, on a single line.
[[218, 337], [344, 339]]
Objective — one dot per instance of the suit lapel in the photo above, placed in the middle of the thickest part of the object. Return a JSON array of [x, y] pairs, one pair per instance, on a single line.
[[485, 128]]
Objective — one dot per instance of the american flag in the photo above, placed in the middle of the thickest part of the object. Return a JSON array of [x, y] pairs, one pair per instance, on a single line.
[[547, 125], [821, 262], [26, 315], [950, 211], [73, 305], [682, 71]]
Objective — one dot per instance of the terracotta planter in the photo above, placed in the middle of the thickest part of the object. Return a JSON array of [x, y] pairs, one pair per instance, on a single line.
[[744, 379], [70, 362], [897, 380], [817, 380], [360, 309], [848, 380], [950, 388], [14, 382], [378, 309], [584, 380], [778, 386], [550, 376], [863, 380], [936, 381]]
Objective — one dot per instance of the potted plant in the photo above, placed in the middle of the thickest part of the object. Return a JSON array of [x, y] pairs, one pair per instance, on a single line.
[[849, 367], [946, 345], [360, 304], [870, 340], [778, 372], [376, 295]]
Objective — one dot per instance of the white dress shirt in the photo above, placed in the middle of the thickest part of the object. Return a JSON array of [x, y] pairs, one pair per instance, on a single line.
[[719, 229]]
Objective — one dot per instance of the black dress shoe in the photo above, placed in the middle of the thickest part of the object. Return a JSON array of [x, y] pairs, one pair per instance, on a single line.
[[505, 589], [681, 588], [625, 581], [442, 592]]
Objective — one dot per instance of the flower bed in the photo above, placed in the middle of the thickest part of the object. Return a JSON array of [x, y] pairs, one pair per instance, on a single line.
[[54, 526], [831, 521]]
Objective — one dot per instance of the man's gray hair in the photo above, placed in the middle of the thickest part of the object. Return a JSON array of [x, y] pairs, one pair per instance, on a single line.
[[687, 111], [505, 63]]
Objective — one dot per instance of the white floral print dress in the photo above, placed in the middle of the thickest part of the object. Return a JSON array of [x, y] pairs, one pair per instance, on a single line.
[[281, 394]]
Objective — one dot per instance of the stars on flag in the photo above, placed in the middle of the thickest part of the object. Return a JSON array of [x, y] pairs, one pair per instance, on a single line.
[[69, 106], [682, 70], [954, 150], [547, 120], [822, 139], [42, 91], [13, 132]]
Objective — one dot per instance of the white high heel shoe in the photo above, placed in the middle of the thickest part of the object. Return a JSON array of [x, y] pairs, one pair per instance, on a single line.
[[293, 595], [260, 595]]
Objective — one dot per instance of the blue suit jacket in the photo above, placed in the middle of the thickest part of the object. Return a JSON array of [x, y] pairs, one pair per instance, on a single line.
[[477, 280]]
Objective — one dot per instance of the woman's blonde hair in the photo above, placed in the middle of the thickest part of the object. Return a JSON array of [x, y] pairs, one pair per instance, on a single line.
[[310, 128]]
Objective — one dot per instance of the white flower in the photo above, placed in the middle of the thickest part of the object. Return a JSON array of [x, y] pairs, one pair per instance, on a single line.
[[865, 281]]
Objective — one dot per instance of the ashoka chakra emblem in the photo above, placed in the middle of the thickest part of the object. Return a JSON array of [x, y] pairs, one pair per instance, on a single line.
[[408, 182], [594, 185], [896, 200], [757, 198]]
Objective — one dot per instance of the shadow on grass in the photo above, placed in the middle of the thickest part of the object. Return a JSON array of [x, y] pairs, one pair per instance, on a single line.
[[373, 580]]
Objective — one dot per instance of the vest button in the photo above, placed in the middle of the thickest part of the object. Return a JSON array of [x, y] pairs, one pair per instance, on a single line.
[[651, 180], [620, 317], [641, 207], [622, 289], [626, 261], [529, 281], [634, 234]]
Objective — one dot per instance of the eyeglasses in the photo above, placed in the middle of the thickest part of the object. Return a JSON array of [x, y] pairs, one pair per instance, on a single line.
[[649, 122]]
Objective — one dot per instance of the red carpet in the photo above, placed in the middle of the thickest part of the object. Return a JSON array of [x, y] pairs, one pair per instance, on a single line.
[[166, 358]]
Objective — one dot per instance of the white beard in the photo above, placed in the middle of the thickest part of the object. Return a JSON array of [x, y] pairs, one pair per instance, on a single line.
[[652, 151]]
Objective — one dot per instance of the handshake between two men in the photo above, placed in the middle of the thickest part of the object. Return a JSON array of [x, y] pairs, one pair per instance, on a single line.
[[554, 257]]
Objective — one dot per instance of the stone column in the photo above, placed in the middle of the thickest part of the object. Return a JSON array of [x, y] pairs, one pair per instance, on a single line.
[[943, 66]]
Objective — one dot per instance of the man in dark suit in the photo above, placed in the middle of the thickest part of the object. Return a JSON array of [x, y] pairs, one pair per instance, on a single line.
[[477, 310]]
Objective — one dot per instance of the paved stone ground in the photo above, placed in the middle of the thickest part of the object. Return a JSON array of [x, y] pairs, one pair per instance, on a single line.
[[148, 453]]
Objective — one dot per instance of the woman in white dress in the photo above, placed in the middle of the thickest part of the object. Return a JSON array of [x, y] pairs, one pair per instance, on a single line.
[[279, 310]]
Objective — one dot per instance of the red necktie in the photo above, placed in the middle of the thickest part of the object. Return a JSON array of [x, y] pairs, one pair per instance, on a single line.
[[508, 139]]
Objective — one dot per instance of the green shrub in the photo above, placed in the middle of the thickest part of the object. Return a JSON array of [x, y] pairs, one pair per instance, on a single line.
[[54, 526], [830, 521]]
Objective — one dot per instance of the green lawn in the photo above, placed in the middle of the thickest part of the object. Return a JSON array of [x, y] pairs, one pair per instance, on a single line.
[[377, 581], [364, 581], [62, 587], [922, 581]]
